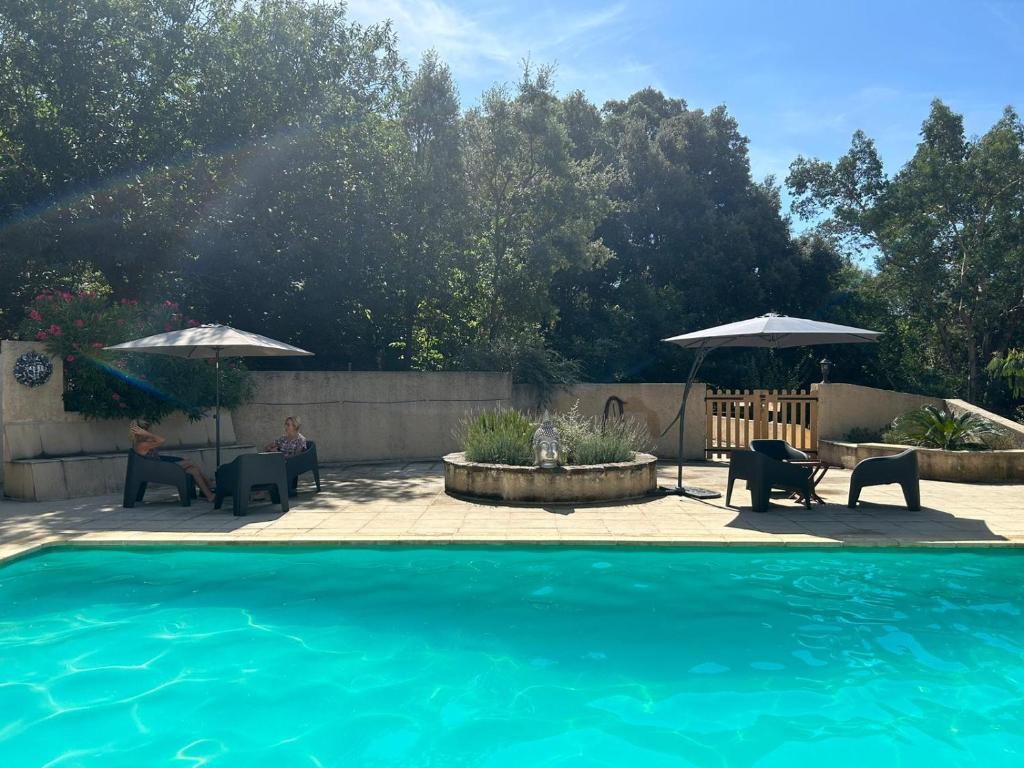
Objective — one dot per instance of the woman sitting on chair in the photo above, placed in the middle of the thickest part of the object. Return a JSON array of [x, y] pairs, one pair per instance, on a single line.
[[146, 444], [291, 443]]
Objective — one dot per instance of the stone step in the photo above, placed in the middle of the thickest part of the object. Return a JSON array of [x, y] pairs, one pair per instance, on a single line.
[[96, 474]]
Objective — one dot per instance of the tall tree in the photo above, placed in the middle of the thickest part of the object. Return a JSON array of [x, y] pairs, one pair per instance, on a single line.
[[533, 207], [429, 260], [948, 229], [695, 240], [237, 155]]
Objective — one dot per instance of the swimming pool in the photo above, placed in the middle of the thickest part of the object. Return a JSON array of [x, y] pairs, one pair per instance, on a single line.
[[512, 657]]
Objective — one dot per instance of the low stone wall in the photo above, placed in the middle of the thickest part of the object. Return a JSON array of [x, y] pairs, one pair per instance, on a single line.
[[72, 477], [842, 407], [599, 482], [370, 415], [656, 404], [49, 453], [933, 463], [34, 423], [1013, 430]]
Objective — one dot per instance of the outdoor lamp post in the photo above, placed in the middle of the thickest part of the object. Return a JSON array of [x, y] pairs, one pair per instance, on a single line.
[[826, 369]]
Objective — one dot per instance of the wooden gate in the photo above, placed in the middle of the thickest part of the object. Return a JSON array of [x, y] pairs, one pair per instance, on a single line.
[[735, 417]]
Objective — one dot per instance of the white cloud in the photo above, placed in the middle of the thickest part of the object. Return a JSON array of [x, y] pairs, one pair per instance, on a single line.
[[425, 24], [489, 45]]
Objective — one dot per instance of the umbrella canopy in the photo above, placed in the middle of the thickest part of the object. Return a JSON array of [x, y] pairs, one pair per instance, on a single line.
[[773, 331], [210, 341]]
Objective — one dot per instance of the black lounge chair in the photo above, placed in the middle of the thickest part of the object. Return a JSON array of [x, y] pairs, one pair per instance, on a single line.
[[779, 450], [141, 472], [300, 464], [764, 473], [252, 472], [882, 470]]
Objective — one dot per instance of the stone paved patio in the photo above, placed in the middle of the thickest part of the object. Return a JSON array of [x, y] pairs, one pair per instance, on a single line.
[[407, 503]]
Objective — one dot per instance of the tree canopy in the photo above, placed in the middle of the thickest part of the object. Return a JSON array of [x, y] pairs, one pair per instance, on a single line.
[[948, 229], [273, 165]]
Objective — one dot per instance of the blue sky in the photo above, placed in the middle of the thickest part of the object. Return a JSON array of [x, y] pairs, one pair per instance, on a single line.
[[799, 76]]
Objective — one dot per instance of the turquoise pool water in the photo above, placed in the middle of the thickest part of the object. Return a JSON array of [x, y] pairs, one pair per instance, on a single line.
[[512, 657]]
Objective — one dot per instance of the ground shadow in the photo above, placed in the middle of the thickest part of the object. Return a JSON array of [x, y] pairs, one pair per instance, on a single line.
[[874, 521]]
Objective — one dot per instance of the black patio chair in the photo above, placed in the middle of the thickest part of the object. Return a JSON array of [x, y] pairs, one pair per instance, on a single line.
[[763, 474], [300, 464], [252, 472], [779, 450], [883, 470], [141, 472]]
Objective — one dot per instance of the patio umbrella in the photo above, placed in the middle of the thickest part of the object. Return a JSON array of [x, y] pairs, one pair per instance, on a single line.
[[210, 341], [772, 331]]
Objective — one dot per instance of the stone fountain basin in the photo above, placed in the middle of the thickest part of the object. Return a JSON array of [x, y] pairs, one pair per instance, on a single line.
[[592, 482]]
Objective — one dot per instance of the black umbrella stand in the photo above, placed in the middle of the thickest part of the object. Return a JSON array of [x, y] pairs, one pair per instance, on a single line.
[[688, 490], [216, 418]]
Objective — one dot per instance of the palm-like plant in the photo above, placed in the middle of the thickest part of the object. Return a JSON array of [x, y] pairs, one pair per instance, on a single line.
[[1011, 368], [931, 427]]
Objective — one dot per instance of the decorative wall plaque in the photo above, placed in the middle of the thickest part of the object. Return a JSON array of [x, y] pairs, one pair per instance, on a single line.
[[33, 369]]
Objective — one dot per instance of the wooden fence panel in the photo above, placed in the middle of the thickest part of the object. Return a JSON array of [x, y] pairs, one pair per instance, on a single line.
[[735, 417]]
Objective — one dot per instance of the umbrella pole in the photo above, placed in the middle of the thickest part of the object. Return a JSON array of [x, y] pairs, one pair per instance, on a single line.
[[216, 418], [680, 489]]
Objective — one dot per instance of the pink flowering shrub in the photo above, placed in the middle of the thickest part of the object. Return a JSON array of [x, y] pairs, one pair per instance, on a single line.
[[106, 385]]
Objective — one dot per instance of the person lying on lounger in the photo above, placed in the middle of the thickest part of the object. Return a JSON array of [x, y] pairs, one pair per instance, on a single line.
[[146, 444]]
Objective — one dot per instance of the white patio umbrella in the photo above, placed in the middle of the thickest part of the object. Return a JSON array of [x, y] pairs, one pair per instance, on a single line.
[[771, 330], [210, 341]]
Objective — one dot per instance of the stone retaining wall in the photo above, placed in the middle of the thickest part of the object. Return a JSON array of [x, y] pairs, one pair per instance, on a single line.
[[933, 463], [370, 415], [655, 404], [842, 407]]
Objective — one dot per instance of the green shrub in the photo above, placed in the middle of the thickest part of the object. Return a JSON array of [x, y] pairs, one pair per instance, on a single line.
[[499, 437], [591, 441], [541, 370], [894, 437], [506, 437], [1011, 368], [75, 327], [931, 427]]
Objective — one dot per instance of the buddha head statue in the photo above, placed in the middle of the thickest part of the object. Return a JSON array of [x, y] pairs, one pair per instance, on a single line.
[[547, 447]]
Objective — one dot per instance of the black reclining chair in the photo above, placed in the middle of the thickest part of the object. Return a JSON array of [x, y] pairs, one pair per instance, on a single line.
[[141, 472], [300, 464], [882, 470], [252, 472], [762, 474], [779, 450]]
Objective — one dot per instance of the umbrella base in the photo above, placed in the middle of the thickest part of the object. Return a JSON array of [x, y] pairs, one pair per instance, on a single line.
[[689, 490]]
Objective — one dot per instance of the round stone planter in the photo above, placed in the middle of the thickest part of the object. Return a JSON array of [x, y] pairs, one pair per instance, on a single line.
[[597, 482]]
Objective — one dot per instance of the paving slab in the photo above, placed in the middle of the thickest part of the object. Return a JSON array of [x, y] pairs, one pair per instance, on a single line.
[[406, 503]]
